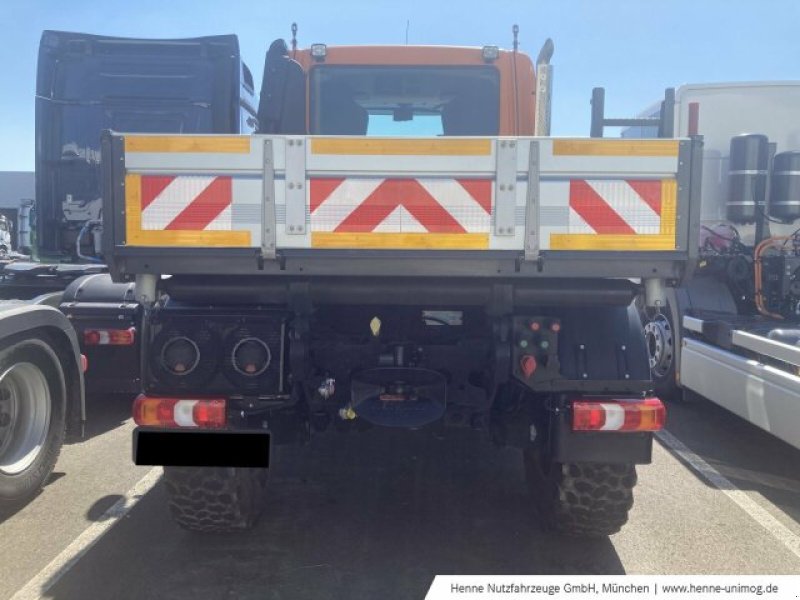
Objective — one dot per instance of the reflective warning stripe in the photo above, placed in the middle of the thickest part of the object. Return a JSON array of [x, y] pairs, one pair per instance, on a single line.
[[617, 215], [187, 143], [614, 207], [187, 203], [410, 147], [611, 147], [388, 241], [399, 206], [204, 226]]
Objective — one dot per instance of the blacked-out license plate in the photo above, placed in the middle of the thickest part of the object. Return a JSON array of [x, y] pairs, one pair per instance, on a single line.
[[201, 448]]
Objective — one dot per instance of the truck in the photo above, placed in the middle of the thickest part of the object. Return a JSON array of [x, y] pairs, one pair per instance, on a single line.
[[6, 231], [731, 334], [402, 244], [41, 395], [86, 83]]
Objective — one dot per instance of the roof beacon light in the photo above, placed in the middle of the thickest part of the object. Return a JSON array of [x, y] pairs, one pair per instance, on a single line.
[[319, 51], [490, 53]]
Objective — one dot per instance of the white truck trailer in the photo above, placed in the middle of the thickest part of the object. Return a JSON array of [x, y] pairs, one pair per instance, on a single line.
[[731, 334]]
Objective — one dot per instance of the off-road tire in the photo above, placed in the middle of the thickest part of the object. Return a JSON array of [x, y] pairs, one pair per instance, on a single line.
[[18, 488], [215, 499], [587, 500]]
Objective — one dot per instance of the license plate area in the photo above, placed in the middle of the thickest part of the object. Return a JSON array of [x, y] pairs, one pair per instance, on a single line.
[[201, 448]]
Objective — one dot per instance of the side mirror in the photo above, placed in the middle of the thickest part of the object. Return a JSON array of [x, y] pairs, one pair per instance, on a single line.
[[282, 104]]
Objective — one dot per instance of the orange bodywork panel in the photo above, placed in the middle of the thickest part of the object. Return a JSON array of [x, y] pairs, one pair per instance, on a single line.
[[443, 56]]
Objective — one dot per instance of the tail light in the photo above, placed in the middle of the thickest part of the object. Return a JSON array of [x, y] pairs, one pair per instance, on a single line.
[[205, 413], [109, 337], [648, 414]]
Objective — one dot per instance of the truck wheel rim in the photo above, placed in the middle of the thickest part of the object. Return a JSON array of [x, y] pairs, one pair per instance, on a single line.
[[658, 335], [24, 416]]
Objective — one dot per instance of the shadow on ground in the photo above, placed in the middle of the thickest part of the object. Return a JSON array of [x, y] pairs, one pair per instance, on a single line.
[[373, 515], [746, 455]]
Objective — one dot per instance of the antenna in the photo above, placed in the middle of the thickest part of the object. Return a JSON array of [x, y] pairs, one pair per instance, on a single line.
[[294, 39], [515, 31], [408, 24]]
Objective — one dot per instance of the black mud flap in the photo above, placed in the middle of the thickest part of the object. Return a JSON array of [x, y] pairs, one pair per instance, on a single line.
[[600, 446], [171, 448]]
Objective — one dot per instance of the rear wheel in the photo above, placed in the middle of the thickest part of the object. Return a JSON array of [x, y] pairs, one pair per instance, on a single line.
[[659, 335], [580, 499], [32, 418], [215, 499]]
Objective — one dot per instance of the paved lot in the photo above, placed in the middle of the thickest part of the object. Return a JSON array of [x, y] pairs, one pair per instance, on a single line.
[[377, 515]]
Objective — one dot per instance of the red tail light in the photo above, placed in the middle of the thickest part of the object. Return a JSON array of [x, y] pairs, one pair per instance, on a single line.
[[205, 413], [648, 414], [109, 337]]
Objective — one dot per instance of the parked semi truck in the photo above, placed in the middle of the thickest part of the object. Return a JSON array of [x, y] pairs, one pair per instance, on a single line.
[[85, 84], [477, 273], [731, 334], [41, 395]]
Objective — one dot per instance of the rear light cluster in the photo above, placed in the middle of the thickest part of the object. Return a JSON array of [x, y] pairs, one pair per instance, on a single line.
[[109, 337], [215, 354], [648, 414], [205, 413]]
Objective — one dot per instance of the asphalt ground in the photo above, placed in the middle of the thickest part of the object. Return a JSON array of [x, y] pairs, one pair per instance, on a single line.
[[378, 514]]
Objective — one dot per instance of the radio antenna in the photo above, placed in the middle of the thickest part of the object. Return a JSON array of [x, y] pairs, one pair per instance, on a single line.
[[294, 39], [408, 24]]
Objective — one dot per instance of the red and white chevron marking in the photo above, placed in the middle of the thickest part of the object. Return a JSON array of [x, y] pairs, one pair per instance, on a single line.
[[186, 203], [360, 205], [614, 206]]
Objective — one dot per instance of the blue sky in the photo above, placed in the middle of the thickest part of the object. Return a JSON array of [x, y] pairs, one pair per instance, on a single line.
[[635, 48]]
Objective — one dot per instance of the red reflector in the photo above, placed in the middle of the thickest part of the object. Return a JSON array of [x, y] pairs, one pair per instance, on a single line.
[[618, 415], [527, 364], [84, 363], [206, 413], [109, 337]]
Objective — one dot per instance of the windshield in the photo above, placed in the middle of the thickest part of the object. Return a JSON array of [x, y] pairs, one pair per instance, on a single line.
[[410, 101]]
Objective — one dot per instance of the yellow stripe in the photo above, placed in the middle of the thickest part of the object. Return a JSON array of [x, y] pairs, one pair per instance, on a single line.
[[188, 143], [136, 236], [133, 205], [669, 195], [192, 239], [615, 147], [419, 241], [622, 242], [391, 147]]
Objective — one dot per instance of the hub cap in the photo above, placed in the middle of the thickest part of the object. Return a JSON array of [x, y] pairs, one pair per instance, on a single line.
[[24, 416], [658, 335]]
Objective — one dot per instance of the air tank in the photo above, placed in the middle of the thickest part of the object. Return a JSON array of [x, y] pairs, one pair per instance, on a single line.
[[747, 177], [784, 198]]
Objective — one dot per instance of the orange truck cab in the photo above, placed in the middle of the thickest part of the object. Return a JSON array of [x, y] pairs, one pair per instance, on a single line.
[[398, 90]]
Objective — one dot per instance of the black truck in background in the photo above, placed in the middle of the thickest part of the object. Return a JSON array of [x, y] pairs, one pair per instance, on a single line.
[[86, 84]]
